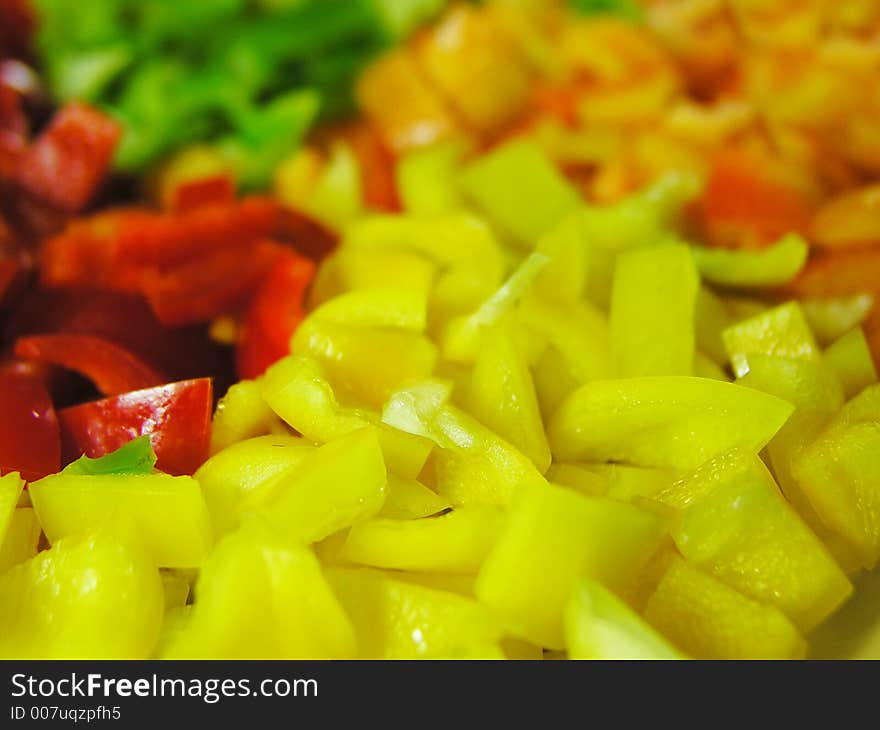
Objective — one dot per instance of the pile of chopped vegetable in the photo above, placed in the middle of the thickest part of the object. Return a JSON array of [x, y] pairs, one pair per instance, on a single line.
[[556, 352]]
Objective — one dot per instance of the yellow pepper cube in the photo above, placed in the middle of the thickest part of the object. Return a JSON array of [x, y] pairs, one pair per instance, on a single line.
[[409, 499], [709, 620], [341, 483], [552, 537], [455, 542], [781, 331], [850, 358], [259, 597], [737, 526], [502, 395], [652, 311], [398, 308], [11, 486], [240, 471], [241, 414], [840, 474], [675, 422], [169, 513], [394, 619], [598, 625], [21, 540], [87, 597]]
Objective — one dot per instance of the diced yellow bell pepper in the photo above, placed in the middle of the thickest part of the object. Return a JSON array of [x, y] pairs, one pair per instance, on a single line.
[[349, 268], [780, 331], [426, 178], [413, 408], [259, 597], [239, 471], [461, 584], [368, 363], [169, 512], [502, 395], [767, 267], [409, 499], [11, 486], [522, 651], [705, 367], [652, 311], [474, 465], [455, 542], [633, 483], [816, 394], [176, 588], [598, 625], [520, 190], [462, 337], [676, 421], [584, 479], [454, 241], [554, 536], [554, 380], [296, 389], [394, 619], [850, 358], [832, 318], [241, 414], [736, 525], [397, 308], [89, 597], [339, 484], [565, 276], [840, 474], [709, 620], [711, 318], [328, 190], [22, 537]]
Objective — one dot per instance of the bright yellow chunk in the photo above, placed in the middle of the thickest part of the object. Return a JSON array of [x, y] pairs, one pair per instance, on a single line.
[[21, 540], [400, 308], [840, 474], [833, 318], [456, 542], [502, 395], [408, 499], [241, 414], [554, 536], [710, 620], [781, 331], [850, 358], [652, 311], [426, 178], [259, 597], [85, 598], [677, 421], [11, 486], [394, 619], [239, 471], [296, 389], [737, 526], [169, 512], [598, 625], [341, 483]]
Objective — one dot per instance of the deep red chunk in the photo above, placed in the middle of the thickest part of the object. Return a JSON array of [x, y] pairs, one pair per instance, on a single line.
[[17, 24], [29, 435], [305, 234], [69, 159], [273, 315], [112, 368], [196, 193], [176, 416]]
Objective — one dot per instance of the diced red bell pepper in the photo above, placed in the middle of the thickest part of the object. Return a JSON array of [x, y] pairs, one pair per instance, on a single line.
[[17, 24], [839, 274], [744, 206], [273, 315], [376, 163], [176, 416], [205, 191], [112, 368], [67, 162], [29, 435], [201, 290], [305, 234], [8, 270]]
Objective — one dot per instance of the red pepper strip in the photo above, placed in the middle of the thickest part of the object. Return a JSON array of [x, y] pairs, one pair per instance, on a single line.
[[176, 416], [196, 193], [853, 271], [376, 167], [201, 290], [112, 368], [273, 315], [744, 206], [67, 162], [557, 101], [305, 234], [29, 437]]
